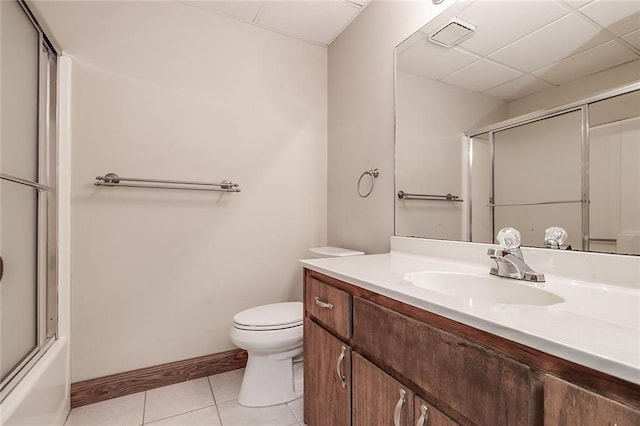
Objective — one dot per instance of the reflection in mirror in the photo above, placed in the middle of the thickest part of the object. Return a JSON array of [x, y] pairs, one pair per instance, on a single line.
[[543, 157], [520, 59], [614, 176]]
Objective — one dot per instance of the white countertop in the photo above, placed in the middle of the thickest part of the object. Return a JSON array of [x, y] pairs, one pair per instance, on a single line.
[[597, 325]]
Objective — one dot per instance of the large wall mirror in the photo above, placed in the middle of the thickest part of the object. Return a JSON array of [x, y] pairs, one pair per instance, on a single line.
[[522, 114]]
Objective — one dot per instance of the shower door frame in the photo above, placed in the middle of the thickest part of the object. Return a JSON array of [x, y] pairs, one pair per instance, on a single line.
[[581, 106], [47, 206]]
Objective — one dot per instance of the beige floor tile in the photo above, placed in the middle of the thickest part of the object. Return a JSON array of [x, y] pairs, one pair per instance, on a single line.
[[233, 414], [202, 417], [177, 399], [226, 386], [297, 407], [122, 411]]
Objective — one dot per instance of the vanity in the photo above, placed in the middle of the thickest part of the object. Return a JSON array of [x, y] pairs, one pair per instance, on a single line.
[[381, 347], [495, 127]]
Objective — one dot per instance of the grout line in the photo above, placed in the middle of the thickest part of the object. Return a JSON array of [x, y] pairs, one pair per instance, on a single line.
[[215, 402], [144, 406], [179, 414], [292, 412]]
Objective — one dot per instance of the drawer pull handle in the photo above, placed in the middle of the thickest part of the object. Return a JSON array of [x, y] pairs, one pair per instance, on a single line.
[[398, 411], [424, 415], [323, 304], [343, 379]]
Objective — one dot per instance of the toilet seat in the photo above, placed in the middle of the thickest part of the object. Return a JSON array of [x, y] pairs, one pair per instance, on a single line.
[[276, 316]]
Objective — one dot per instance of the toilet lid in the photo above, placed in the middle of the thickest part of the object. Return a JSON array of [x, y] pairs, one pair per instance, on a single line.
[[270, 317]]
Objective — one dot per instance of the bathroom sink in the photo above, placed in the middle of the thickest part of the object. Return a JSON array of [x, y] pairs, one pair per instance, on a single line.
[[487, 288]]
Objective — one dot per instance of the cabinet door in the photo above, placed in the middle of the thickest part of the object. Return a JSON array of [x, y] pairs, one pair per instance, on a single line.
[[378, 399], [327, 378], [426, 415], [566, 404], [483, 386]]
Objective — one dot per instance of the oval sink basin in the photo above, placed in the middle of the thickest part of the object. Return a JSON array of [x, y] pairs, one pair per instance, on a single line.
[[487, 288]]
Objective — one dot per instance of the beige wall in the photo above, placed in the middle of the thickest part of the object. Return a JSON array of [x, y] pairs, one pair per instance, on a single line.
[[361, 120], [182, 94], [431, 120]]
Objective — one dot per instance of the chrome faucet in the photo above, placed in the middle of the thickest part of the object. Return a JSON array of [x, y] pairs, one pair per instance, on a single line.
[[509, 258]]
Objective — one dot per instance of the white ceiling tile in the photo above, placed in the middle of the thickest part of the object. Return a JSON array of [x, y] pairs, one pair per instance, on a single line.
[[599, 58], [359, 2], [577, 3], [432, 61], [409, 42], [618, 16], [518, 88], [243, 10], [317, 21], [481, 75], [500, 22], [565, 37], [633, 39]]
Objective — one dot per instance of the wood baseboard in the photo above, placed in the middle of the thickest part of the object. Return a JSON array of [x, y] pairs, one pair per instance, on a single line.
[[121, 384]]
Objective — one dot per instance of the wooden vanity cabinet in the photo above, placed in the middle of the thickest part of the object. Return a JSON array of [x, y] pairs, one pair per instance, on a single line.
[[361, 349], [327, 354], [569, 405], [378, 399]]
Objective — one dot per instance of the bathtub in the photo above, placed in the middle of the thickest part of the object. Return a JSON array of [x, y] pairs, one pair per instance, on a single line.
[[42, 396]]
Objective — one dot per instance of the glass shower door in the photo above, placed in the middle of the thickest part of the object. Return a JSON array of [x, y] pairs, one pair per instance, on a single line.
[[27, 194], [18, 288], [537, 183]]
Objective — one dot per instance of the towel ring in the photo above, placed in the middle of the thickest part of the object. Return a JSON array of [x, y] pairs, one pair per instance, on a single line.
[[374, 174]]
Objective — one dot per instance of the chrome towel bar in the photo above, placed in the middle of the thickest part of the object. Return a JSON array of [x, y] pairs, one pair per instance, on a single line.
[[540, 203], [406, 196], [112, 179]]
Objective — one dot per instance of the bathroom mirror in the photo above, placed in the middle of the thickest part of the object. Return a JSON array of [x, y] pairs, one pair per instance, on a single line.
[[523, 114]]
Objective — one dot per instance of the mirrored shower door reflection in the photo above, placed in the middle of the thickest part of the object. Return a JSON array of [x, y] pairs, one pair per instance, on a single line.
[[537, 178], [28, 307]]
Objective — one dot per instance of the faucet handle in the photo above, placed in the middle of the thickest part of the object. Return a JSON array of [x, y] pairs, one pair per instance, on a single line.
[[509, 238], [554, 237]]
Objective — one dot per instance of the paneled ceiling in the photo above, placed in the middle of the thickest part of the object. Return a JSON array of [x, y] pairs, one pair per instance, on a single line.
[[523, 47], [84, 24], [315, 21]]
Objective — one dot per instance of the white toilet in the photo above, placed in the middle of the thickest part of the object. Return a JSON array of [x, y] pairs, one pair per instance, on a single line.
[[272, 336]]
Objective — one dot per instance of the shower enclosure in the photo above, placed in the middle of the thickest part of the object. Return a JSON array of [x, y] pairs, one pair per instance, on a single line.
[[575, 166], [28, 199]]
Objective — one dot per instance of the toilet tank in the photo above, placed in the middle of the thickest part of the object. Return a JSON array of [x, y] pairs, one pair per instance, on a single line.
[[317, 252]]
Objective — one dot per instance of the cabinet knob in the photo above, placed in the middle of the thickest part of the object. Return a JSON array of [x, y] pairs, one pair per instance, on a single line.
[[323, 304], [341, 376], [398, 411], [424, 415]]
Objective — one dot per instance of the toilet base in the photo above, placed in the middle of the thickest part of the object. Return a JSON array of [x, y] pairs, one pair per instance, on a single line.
[[271, 379]]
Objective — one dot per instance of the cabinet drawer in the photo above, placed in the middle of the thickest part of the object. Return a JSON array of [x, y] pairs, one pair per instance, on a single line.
[[567, 404], [483, 386], [329, 306]]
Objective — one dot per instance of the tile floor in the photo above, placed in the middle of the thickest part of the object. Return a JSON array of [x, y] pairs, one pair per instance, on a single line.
[[208, 401]]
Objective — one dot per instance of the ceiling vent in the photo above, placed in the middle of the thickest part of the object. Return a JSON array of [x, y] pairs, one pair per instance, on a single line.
[[452, 33]]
